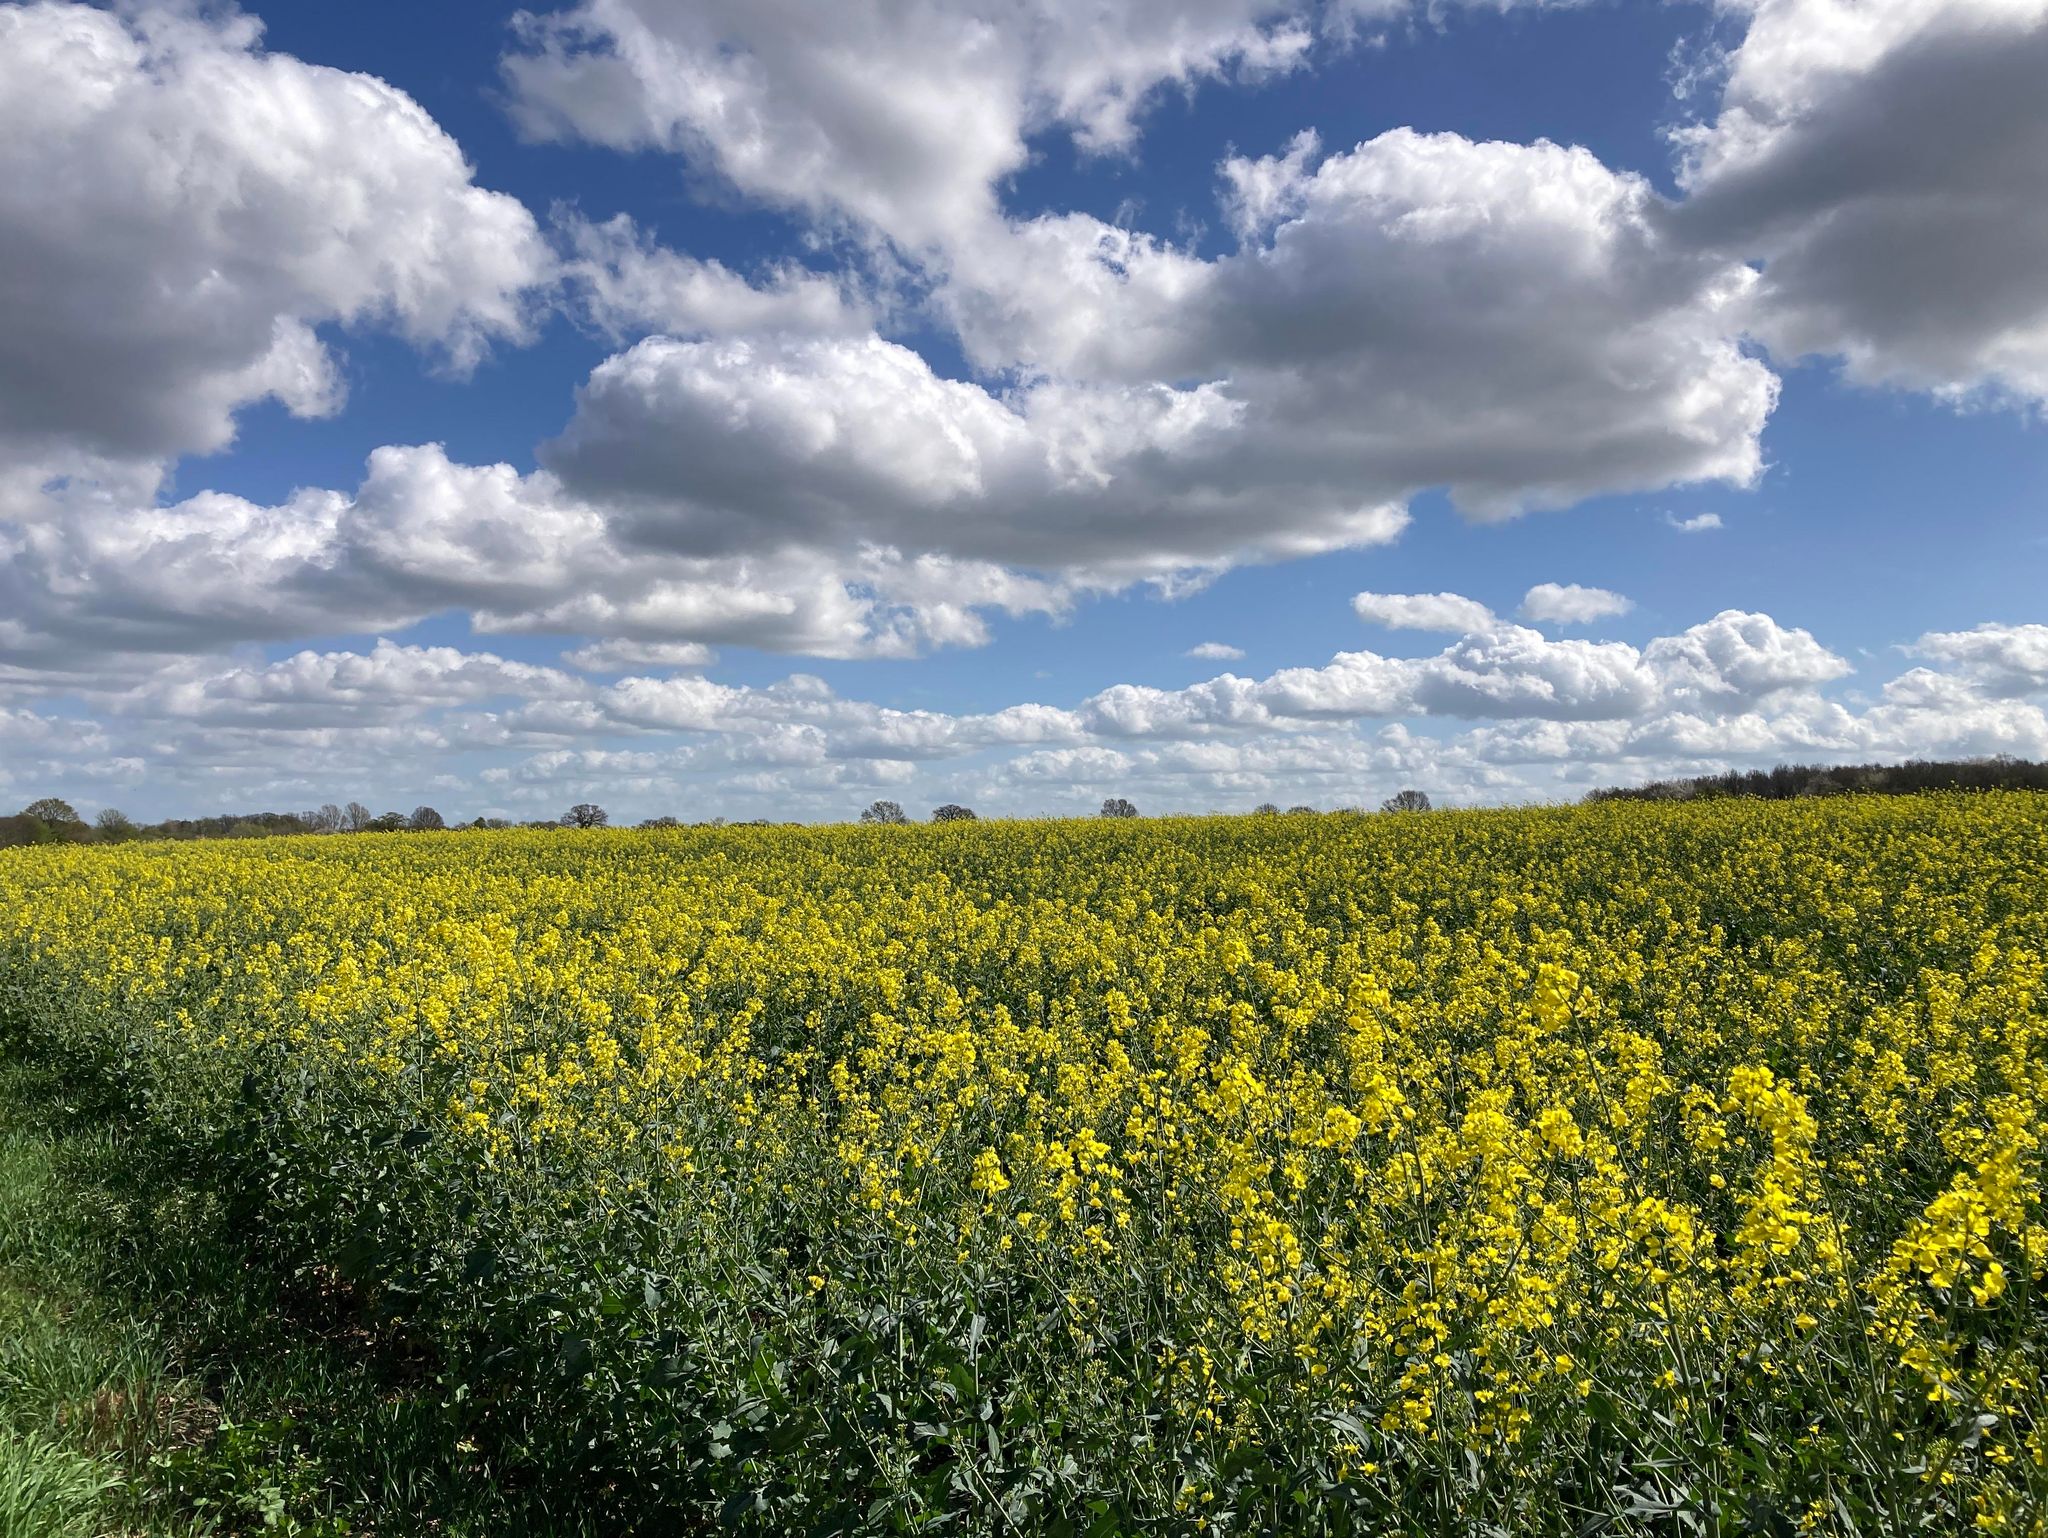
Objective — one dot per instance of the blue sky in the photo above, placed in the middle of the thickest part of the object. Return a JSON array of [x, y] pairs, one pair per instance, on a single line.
[[892, 403]]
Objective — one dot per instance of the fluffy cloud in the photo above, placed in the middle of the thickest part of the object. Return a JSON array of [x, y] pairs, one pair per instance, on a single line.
[[2003, 660], [1737, 657], [1698, 523], [130, 587], [903, 118], [1507, 671], [1420, 311], [323, 687], [1496, 672], [24, 731], [203, 573], [630, 285], [1503, 320], [1446, 612], [625, 656], [420, 534], [1888, 162], [180, 210], [1723, 669], [801, 720], [1508, 321], [1525, 757], [781, 443], [1342, 243], [1567, 603], [1215, 651], [821, 437], [1542, 717]]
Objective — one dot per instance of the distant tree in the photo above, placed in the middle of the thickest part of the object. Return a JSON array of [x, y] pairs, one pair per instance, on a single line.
[[324, 819], [355, 817], [663, 821], [886, 812], [1296, 810], [425, 819], [1406, 801], [18, 830], [1265, 809], [951, 812], [51, 810], [1792, 781], [1117, 806], [113, 826], [491, 822], [387, 822], [585, 814]]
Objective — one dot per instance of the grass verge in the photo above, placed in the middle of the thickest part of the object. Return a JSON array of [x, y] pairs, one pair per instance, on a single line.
[[155, 1379]]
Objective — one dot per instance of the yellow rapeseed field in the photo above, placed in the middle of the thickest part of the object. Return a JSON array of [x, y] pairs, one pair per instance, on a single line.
[[1623, 1168]]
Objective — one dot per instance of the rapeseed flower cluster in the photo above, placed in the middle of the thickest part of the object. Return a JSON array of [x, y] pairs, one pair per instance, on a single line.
[[1662, 1165]]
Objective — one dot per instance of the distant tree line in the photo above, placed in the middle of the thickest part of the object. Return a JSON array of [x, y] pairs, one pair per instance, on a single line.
[[52, 821], [1400, 801], [890, 814], [1791, 782]]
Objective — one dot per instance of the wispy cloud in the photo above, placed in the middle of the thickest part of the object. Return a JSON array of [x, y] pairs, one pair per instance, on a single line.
[[1698, 523]]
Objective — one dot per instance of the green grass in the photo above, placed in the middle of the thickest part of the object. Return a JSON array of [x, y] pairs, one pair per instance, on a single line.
[[156, 1379], [49, 1490], [79, 1383]]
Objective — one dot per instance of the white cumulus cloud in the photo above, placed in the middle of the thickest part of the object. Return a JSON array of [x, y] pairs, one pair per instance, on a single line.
[[1567, 603], [903, 118], [1698, 523], [2005, 660], [1447, 612], [1509, 321], [1887, 162], [179, 211]]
